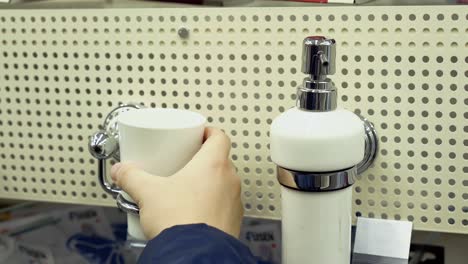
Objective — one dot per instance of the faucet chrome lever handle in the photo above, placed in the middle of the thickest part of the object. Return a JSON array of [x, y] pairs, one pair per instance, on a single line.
[[371, 145], [103, 145]]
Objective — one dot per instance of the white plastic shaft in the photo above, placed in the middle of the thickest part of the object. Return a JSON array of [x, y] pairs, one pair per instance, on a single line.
[[316, 227]]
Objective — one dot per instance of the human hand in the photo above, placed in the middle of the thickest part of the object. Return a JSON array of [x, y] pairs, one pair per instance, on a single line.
[[206, 190]]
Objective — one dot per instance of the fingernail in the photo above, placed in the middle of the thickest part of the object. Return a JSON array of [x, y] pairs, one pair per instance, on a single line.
[[114, 170]]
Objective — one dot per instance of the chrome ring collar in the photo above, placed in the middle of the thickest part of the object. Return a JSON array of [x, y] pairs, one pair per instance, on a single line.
[[316, 181]]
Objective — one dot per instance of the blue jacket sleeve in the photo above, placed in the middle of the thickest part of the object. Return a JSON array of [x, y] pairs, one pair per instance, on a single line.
[[195, 243]]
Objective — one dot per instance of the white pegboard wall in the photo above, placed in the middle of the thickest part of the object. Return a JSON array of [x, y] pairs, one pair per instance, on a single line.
[[405, 68]]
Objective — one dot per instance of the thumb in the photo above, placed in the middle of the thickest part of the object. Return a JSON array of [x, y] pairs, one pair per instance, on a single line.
[[131, 179]]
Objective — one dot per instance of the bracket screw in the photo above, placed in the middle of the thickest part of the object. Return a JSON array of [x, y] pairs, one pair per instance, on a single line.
[[183, 32]]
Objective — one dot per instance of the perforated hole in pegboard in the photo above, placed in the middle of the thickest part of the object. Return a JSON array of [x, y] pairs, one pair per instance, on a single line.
[[404, 68]]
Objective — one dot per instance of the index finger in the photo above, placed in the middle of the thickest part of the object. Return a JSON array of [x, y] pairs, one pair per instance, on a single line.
[[216, 143]]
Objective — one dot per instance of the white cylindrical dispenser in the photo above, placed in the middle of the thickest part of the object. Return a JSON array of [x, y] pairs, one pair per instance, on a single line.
[[316, 147]]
